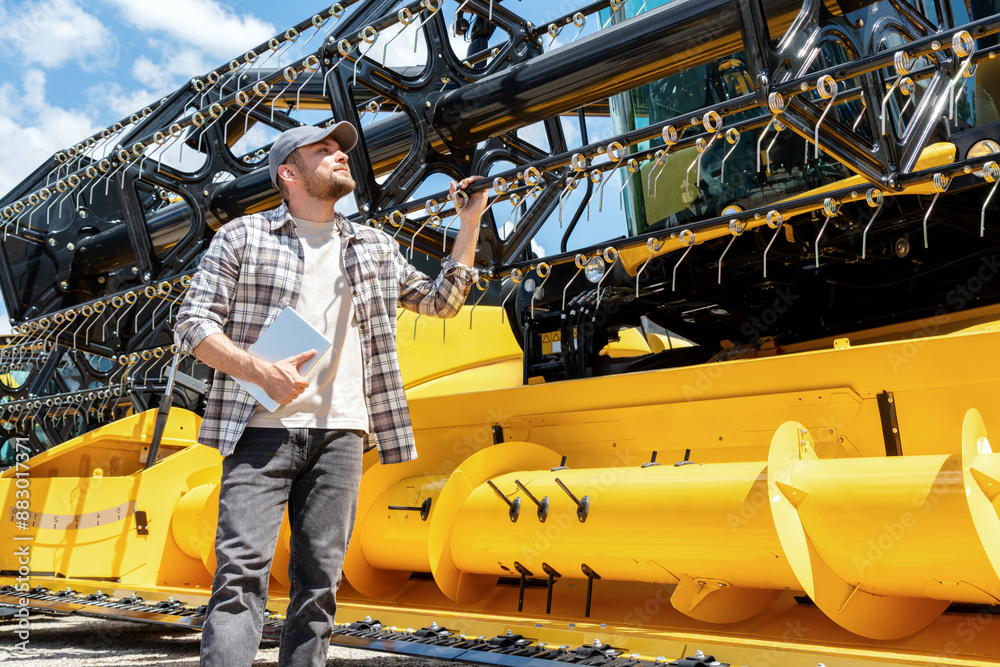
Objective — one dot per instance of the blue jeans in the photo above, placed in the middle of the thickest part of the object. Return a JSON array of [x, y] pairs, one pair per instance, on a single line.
[[317, 473]]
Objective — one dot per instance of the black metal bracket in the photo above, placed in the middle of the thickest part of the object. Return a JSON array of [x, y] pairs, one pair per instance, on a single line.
[[890, 423], [514, 506], [424, 508], [543, 504], [525, 573], [591, 575], [582, 504], [553, 575]]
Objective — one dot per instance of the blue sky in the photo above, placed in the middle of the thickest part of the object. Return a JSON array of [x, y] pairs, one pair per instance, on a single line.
[[76, 66]]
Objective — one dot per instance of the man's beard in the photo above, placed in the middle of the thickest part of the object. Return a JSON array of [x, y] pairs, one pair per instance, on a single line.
[[331, 186]]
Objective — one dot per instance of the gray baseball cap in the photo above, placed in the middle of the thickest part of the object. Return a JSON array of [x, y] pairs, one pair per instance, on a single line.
[[343, 133]]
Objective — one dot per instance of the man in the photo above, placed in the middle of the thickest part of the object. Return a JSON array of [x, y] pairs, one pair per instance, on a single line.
[[345, 280]]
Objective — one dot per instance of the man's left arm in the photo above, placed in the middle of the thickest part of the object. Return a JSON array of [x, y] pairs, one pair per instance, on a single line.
[[444, 296]]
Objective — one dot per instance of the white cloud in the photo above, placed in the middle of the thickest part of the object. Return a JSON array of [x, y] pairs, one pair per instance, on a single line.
[[157, 80], [31, 129], [54, 32], [168, 74], [205, 24], [113, 98]]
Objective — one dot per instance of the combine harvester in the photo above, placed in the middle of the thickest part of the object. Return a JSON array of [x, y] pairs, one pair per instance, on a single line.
[[754, 431]]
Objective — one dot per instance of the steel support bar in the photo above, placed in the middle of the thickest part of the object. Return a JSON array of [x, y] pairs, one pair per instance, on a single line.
[[612, 61], [667, 40]]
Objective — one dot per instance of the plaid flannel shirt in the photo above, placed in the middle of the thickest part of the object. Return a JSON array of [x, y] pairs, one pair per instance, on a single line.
[[253, 269]]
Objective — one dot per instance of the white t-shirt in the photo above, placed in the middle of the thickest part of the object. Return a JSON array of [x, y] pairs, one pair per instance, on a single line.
[[335, 397]]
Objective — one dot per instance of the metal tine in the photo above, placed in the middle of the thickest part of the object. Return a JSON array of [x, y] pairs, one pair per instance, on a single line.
[[578, 164], [252, 59], [775, 222], [991, 174], [700, 145], [369, 35], [534, 178], [736, 228], [760, 139], [405, 18], [907, 88], [434, 220], [658, 157], [458, 211], [103, 165], [963, 46], [571, 184], [261, 89], [214, 79], [778, 128], [654, 246], [86, 312], [969, 72], [596, 177], [861, 114], [215, 111], [502, 187], [827, 88], [543, 270], [483, 284], [273, 48], [124, 301], [581, 263], [670, 138], [712, 122], [317, 22], [610, 255], [123, 157], [831, 208], [633, 167], [234, 75], [373, 107], [733, 138], [903, 63], [98, 309], [32, 332], [176, 134], [397, 220], [553, 31], [687, 239], [580, 21], [290, 75], [875, 199], [616, 5], [941, 183], [515, 200], [776, 104], [66, 321], [517, 275], [614, 151], [45, 341], [432, 6], [150, 293]]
